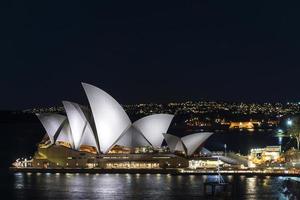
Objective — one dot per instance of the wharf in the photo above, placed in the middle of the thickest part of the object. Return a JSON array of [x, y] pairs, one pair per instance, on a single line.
[[171, 171]]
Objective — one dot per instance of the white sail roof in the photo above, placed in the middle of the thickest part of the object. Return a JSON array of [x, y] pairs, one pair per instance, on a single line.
[[65, 135], [187, 144], [105, 125], [52, 123], [81, 130], [109, 117], [153, 126], [133, 138], [174, 143], [88, 138], [180, 146], [193, 141]]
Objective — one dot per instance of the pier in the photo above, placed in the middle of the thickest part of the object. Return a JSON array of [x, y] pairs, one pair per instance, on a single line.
[[172, 171]]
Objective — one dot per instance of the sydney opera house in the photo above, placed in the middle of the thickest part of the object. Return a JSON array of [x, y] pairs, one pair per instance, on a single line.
[[103, 136]]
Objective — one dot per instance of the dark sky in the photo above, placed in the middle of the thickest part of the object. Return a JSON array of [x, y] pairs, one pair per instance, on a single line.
[[148, 51]]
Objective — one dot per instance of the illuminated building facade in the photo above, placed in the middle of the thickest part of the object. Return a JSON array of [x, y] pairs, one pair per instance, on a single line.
[[262, 155], [244, 125]]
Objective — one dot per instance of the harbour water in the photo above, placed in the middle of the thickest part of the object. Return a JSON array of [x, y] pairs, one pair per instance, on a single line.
[[132, 186]]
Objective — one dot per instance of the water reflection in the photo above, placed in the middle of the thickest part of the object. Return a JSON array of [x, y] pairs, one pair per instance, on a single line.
[[251, 187], [134, 186], [280, 140]]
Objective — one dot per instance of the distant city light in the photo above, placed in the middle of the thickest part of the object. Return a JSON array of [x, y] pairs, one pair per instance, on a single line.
[[289, 122]]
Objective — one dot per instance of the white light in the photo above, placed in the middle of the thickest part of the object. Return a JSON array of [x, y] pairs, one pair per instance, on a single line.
[[289, 122]]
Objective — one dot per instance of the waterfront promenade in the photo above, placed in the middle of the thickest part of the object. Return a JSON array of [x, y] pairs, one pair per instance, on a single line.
[[171, 171]]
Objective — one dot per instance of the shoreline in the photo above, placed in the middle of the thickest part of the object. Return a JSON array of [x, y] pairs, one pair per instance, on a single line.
[[150, 171]]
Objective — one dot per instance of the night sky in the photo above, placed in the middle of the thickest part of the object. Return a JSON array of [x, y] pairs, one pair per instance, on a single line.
[[148, 51]]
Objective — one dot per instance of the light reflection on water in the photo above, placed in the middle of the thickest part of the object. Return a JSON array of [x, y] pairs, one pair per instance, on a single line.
[[135, 186]]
